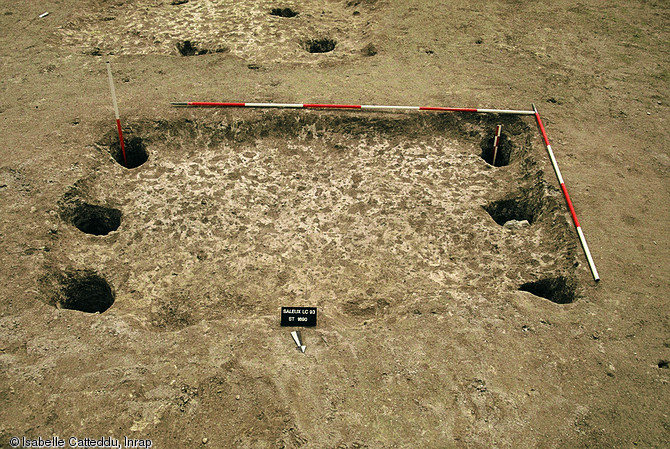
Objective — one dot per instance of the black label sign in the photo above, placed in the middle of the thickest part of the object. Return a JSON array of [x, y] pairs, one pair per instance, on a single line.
[[298, 316]]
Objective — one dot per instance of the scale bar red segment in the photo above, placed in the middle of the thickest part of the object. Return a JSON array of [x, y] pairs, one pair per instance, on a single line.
[[123, 146], [570, 206]]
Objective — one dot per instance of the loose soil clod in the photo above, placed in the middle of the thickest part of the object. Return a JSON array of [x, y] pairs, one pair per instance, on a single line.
[[96, 220], [323, 45], [559, 290], [83, 290], [136, 152]]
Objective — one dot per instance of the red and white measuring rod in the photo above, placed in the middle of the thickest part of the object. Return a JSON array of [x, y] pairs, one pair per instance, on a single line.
[[116, 114], [580, 233], [206, 104], [496, 141]]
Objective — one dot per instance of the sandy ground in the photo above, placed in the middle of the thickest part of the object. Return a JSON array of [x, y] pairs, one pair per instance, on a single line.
[[438, 325]]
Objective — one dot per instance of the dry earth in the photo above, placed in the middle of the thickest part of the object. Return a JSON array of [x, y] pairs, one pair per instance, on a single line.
[[144, 302]]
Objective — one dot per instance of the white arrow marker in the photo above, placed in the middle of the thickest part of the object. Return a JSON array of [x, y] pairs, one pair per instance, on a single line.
[[296, 338]]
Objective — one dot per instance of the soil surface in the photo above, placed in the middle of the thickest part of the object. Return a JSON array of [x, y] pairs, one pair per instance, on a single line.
[[455, 304]]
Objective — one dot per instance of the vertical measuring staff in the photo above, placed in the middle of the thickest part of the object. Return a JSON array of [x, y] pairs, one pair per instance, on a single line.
[[582, 239], [496, 141], [116, 114]]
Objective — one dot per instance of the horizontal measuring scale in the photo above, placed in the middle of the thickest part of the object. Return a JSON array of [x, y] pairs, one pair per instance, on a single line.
[[207, 104]]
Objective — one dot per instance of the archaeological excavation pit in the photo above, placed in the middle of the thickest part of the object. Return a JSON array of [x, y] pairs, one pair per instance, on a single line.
[[136, 152], [320, 45], [94, 219], [559, 290], [77, 209], [83, 290], [190, 48], [249, 210], [516, 209], [503, 153], [283, 12]]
